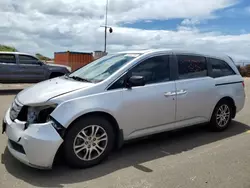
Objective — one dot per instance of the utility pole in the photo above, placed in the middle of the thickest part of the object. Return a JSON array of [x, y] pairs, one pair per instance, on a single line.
[[106, 21], [106, 27]]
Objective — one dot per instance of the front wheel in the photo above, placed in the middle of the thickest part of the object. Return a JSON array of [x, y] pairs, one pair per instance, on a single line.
[[88, 142], [221, 117]]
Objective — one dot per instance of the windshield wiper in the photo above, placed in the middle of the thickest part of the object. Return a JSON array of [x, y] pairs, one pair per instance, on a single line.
[[66, 75], [80, 79]]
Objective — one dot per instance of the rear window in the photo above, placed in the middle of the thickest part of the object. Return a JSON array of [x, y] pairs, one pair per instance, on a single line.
[[7, 58], [220, 68]]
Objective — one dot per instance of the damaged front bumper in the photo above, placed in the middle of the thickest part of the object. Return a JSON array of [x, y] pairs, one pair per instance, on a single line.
[[35, 145]]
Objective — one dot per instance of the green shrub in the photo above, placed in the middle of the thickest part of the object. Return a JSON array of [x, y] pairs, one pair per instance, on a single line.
[[7, 48]]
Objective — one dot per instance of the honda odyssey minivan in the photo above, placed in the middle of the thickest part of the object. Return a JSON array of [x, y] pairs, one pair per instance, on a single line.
[[120, 97]]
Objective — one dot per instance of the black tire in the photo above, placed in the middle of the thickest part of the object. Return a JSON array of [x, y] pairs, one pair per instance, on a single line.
[[214, 122], [71, 157]]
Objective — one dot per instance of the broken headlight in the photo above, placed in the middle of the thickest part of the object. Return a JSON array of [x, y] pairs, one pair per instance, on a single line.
[[39, 114]]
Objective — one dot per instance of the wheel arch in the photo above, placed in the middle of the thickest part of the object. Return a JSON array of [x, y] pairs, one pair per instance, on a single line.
[[230, 100], [118, 132]]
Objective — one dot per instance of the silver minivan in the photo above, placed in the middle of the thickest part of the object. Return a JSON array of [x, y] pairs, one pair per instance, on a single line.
[[120, 97]]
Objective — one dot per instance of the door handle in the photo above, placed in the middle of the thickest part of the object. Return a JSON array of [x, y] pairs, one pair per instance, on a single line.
[[181, 92], [169, 94]]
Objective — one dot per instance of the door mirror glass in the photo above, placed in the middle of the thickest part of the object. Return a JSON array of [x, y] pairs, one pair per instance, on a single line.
[[40, 63], [135, 81]]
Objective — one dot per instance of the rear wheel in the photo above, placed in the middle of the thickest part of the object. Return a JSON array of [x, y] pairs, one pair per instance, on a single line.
[[88, 142], [222, 116]]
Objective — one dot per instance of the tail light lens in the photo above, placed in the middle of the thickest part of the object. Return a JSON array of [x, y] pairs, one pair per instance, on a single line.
[[243, 83]]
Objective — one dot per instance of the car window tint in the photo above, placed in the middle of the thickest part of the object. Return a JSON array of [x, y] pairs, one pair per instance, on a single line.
[[25, 59], [118, 84], [7, 58], [220, 68], [191, 66], [154, 69]]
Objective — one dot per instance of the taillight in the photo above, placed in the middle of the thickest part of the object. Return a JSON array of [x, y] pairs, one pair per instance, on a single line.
[[243, 84]]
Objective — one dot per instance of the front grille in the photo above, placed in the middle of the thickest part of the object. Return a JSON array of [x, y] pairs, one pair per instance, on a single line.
[[15, 109], [17, 147]]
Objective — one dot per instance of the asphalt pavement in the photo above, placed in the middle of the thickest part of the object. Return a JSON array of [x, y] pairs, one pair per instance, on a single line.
[[188, 158]]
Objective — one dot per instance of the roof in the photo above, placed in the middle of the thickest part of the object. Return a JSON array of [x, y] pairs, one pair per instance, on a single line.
[[197, 52], [20, 53], [139, 51], [89, 53]]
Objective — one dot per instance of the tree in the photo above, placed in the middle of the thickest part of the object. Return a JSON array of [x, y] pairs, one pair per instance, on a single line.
[[41, 57], [7, 48]]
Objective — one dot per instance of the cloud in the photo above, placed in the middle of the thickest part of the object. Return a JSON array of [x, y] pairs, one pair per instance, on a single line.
[[134, 10], [235, 45], [48, 26], [192, 22]]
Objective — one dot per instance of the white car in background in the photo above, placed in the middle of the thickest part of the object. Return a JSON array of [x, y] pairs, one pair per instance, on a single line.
[[121, 97]]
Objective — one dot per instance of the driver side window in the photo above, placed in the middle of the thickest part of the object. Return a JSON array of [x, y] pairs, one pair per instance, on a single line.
[[154, 70], [26, 59]]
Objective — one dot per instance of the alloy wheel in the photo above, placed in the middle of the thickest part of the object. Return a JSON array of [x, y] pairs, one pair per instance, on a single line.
[[223, 115], [90, 142]]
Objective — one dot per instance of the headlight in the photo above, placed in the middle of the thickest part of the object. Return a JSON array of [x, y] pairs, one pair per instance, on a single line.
[[39, 114], [32, 114]]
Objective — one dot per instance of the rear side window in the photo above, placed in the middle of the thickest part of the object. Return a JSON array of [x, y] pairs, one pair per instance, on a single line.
[[25, 59], [220, 68], [7, 58], [190, 66]]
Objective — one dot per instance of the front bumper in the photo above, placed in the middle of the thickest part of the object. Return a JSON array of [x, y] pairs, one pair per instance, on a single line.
[[38, 144]]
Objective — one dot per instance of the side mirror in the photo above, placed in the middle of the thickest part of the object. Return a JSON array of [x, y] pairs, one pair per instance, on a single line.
[[40, 63], [135, 81]]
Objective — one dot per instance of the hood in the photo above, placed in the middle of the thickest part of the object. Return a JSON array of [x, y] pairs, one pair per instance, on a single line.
[[43, 91], [58, 65]]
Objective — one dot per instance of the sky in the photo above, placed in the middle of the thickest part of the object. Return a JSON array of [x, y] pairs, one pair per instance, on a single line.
[[50, 26]]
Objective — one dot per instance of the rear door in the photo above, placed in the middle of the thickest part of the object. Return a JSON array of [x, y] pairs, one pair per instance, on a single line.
[[31, 69], [195, 90], [9, 70]]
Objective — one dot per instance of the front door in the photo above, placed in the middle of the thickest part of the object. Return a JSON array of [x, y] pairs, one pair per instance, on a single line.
[[150, 108], [31, 69], [9, 70], [195, 90]]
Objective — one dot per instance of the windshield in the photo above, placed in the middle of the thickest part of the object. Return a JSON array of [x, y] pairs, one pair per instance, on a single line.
[[102, 68]]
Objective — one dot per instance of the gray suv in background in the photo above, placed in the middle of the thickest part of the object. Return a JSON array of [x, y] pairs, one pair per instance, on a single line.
[[16, 67]]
